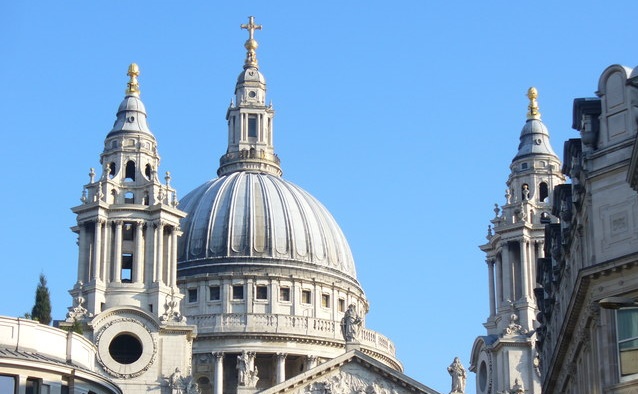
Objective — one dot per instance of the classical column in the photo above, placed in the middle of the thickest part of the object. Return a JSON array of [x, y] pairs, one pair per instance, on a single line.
[[280, 373], [138, 256], [105, 255], [490, 269], [149, 253], [96, 264], [218, 381], [82, 257], [173, 265], [117, 252], [524, 270], [507, 272], [159, 251]]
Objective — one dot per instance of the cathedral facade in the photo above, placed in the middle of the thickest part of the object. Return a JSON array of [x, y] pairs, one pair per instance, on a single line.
[[246, 285], [562, 256]]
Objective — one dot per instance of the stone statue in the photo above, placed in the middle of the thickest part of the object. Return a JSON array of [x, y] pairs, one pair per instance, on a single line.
[[247, 371], [350, 324], [457, 372], [176, 382]]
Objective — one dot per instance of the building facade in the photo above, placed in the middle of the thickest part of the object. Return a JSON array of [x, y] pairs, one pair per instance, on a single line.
[[589, 276], [505, 359], [246, 285]]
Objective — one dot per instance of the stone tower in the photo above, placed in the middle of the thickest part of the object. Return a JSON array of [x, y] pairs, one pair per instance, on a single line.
[[505, 359], [126, 298]]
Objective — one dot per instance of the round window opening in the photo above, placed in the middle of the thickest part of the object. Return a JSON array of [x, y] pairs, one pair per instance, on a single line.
[[125, 349]]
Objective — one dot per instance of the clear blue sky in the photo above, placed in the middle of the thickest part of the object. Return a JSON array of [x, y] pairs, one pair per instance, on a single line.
[[401, 117]]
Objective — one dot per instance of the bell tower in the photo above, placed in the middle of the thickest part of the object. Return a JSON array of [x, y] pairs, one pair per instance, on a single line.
[[506, 357], [126, 298]]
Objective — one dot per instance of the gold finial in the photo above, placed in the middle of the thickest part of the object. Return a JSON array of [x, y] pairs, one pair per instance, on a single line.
[[533, 112], [251, 43], [133, 88]]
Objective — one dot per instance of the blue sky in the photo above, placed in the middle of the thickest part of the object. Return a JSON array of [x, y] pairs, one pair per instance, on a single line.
[[401, 117]]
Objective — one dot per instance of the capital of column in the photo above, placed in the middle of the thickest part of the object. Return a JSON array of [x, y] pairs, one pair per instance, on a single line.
[[218, 355], [281, 356]]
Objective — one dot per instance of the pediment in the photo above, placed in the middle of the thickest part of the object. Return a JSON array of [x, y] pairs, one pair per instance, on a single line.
[[353, 372]]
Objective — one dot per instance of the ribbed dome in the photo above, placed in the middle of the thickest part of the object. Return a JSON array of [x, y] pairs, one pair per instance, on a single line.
[[251, 218]]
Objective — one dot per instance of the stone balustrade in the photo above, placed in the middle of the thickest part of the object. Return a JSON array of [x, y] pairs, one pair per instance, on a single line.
[[287, 325]]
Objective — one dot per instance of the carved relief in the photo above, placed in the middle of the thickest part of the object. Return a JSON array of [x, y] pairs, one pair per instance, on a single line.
[[351, 382]]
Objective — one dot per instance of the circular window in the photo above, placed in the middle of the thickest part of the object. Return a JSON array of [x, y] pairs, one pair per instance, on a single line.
[[125, 349], [482, 376], [252, 94]]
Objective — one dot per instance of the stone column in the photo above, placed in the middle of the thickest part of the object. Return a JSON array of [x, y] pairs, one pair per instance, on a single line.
[[82, 257], [507, 273], [280, 373], [97, 251], [218, 380], [149, 250], [490, 269], [138, 256], [106, 259], [117, 252], [524, 270], [159, 251], [173, 270]]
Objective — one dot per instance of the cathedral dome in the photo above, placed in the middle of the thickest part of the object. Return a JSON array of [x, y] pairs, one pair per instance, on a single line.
[[264, 219]]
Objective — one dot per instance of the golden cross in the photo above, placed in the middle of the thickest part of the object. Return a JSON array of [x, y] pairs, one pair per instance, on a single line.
[[251, 27]]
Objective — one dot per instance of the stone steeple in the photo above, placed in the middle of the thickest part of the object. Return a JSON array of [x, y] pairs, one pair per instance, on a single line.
[[515, 242], [128, 222], [250, 120]]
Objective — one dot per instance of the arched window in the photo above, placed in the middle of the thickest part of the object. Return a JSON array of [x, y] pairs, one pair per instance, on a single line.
[[129, 198], [130, 171], [543, 192], [148, 171], [525, 192], [111, 170]]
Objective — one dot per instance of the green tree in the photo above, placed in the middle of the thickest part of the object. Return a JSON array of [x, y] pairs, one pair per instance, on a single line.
[[42, 309]]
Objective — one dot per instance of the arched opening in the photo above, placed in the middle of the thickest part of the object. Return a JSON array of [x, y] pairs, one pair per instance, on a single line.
[[543, 192], [145, 199], [111, 170], [204, 385], [148, 171], [129, 173], [129, 198], [525, 192]]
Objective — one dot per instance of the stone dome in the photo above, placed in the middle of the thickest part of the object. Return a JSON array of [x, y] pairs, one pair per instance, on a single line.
[[250, 218]]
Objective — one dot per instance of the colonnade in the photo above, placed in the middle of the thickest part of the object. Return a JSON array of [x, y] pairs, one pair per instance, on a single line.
[[153, 252]]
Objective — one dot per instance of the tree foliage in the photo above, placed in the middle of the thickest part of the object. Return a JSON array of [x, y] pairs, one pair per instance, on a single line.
[[42, 309]]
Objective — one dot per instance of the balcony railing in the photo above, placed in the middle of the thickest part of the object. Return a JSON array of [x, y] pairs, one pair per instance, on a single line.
[[287, 325]]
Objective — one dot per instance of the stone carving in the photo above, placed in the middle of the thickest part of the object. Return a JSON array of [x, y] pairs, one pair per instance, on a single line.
[[171, 312], [517, 388], [514, 328], [182, 385], [78, 312], [459, 376], [350, 324], [247, 371], [347, 383]]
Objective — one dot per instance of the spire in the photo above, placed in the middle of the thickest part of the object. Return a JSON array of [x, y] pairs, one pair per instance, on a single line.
[[533, 113], [251, 44], [250, 120], [131, 115], [133, 87], [534, 139]]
